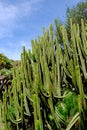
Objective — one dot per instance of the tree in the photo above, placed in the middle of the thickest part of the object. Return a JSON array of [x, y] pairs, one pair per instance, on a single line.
[[77, 13]]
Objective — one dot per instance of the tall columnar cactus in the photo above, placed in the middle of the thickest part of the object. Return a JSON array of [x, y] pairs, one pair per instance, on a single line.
[[55, 64]]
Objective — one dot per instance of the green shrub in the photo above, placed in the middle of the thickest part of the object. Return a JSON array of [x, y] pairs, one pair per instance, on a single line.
[[5, 62]]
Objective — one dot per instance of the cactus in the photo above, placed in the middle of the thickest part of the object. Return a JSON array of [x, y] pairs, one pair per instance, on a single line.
[[54, 65]]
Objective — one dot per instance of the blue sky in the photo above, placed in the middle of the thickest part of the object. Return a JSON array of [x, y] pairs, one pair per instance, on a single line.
[[22, 20]]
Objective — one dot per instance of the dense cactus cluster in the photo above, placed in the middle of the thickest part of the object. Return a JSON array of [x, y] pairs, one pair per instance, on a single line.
[[49, 83]]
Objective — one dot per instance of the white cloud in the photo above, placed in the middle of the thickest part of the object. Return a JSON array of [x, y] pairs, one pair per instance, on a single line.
[[13, 50], [12, 14]]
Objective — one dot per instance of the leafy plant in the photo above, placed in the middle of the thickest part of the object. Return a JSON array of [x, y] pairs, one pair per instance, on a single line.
[[5, 62], [68, 107]]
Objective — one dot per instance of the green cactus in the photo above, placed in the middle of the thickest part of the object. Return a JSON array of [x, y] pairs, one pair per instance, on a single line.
[[40, 81]]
